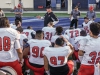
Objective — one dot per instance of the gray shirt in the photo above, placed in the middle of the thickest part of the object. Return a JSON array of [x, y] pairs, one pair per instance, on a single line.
[[75, 14], [91, 15], [18, 10]]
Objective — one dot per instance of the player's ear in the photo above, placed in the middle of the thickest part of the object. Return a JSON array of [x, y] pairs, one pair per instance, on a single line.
[[90, 33]]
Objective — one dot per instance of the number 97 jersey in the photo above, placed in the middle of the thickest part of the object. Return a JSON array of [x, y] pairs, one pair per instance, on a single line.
[[72, 33], [57, 56]]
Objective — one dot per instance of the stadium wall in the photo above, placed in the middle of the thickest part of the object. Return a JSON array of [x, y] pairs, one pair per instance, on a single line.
[[34, 4], [9, 4]]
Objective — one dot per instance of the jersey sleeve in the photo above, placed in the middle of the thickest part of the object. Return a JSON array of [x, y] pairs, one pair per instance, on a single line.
[[17, 36], [52, 39], [76, 39], [54, 18], [72, 12], [29, 42], [82, 44], [17, 44], [49, 43], [43, 29], [65, 33], [45, 51]]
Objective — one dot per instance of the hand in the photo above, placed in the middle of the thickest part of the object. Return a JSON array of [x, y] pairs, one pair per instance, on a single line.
[[39, 17], [71, 18], [21, 63], [77, 17], [47, 73]]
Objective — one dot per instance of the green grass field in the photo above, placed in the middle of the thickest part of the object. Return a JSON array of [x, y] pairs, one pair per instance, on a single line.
[[41, 14]]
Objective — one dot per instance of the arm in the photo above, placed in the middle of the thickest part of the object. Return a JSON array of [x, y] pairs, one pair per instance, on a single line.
[[79, 13], [19, 50], [16, 12], [3, 14], [87, 14], [69, 44], [46, 67], [94, 17], [46, 63], [20, 12], [20, 54], [25, 52], [55, 19], [81, 52], [39, 17], [71, 15], [82, 44]]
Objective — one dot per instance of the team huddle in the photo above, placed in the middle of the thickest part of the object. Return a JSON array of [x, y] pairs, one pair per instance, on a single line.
[[47, 51]]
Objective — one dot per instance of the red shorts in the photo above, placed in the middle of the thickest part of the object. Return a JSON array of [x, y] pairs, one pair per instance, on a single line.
[[75, 54], [86, 70], [71, 67], [37, 71], [15, 65]]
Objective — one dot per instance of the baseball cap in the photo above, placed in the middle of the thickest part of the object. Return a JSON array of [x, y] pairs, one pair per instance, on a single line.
[[91, 8], [48, 7], [19, 5]]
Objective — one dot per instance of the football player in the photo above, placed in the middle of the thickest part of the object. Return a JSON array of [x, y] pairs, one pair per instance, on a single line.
[[57, 58], [49, 31], [30, 33], [36, 46], [59, 31], [17, 24], [86, 24], [90, 50], [9, 44], [72, 33], [83, 35]]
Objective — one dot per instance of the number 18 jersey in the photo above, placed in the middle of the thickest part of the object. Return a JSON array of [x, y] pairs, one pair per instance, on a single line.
[[36, 48], [9, 41]]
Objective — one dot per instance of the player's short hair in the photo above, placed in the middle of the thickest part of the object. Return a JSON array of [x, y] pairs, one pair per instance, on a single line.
[[86, 18], [29, 27], [59, 30], [51, 23], [0, 9], [17, 22], [95, 28], [99, 22], [38, 33], [4, 22], [83, 33], [76, 7], [59, 42], [20, 29]]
